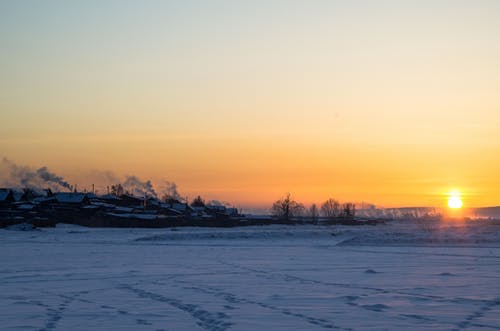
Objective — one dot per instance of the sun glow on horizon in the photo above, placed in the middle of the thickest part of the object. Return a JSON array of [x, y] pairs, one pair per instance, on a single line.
[[243, 101], [454, 200]]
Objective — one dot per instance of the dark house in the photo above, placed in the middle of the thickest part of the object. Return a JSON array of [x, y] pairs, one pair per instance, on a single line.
[[181, 208], [74, 199], [130, 201], [27, 195], [6, 197], [108, 198]]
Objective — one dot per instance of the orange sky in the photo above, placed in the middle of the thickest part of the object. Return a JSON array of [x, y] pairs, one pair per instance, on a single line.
[[394, 104]]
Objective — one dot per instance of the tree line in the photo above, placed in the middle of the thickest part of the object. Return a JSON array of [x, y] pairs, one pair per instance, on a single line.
[[284, 208], [287, 208]]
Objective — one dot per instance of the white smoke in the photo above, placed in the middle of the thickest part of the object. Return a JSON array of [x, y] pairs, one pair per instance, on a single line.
[[139, 188], [20, 177], [168, 190]]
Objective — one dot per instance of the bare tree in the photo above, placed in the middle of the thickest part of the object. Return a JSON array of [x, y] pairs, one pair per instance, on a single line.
[[330, 208], [348, 209], [117, 190], [314, 212], [198, 202], [170, 193], [286, 208]]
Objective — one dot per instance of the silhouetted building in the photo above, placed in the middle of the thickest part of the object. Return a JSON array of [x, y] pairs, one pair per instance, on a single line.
[[72, 198], [6, 197]]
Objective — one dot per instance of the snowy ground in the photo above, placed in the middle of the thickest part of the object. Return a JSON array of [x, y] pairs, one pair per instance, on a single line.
[[390, 277]]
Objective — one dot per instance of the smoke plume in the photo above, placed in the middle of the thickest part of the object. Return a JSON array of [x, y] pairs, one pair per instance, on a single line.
[[169, 190], [20, 177], [139, 188]]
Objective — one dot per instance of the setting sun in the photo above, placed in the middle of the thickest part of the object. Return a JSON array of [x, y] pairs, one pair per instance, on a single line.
[[454, 200]]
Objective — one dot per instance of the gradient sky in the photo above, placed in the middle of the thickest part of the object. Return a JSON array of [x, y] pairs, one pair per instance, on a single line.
[[391, 102]]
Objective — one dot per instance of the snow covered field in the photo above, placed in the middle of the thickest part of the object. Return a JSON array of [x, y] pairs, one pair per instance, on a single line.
[[397, 276]]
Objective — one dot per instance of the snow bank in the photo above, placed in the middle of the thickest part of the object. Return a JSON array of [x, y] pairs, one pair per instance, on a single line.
[[427, 232], [395, 233]]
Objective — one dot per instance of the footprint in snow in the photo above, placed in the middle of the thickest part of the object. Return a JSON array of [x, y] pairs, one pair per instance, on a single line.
[[376, 307], [447, 274]]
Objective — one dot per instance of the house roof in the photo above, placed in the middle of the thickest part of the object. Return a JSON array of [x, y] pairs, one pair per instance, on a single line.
[[70, 197], [137, 216], [18, 196], [43, 199], [108, 197], [124, 209], [4, 193], [179, 206], [26, 206], [103, 204], [216, 207], [128, 197], [166, 206]]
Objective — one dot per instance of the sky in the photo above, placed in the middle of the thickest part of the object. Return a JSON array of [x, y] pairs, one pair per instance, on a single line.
[[390, 102]]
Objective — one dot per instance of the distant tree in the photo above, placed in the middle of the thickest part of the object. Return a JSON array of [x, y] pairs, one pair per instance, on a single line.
[[369, 210], [369, 206], [198, 202], [330, 208], [286, 208], [117, 190], [169, 199], [170, 194], [348, 209], [314, 212]]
